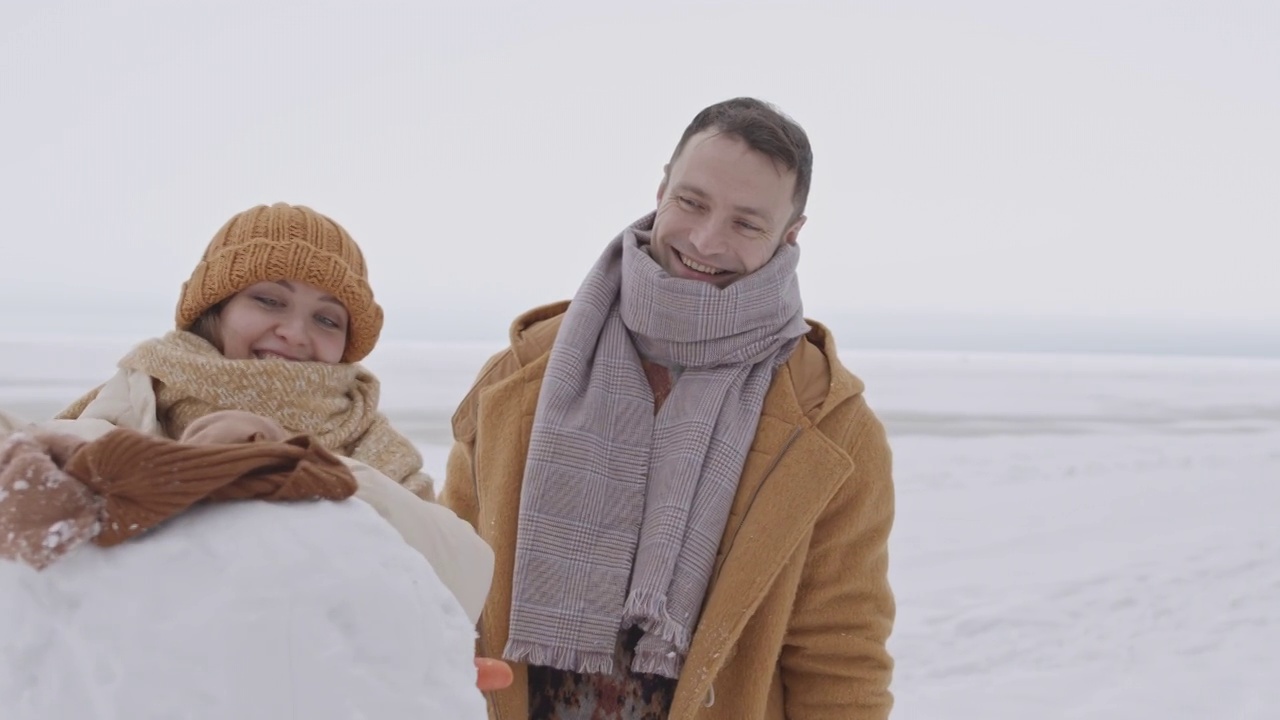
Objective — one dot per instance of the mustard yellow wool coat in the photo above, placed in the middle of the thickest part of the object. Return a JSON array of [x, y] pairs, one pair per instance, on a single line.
[[799, 608]]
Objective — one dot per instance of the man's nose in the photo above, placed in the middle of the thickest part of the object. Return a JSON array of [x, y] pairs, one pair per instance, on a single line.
[[707, 237]]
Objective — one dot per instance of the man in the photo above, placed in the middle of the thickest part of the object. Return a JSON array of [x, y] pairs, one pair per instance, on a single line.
[[689, 500]]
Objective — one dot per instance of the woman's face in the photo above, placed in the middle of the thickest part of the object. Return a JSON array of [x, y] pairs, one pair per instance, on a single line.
[[283, 320]]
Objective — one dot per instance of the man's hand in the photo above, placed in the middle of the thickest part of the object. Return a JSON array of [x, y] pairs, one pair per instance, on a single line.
[[492, 674]]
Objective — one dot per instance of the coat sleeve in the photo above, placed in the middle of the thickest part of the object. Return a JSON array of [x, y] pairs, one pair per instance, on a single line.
[[835, 663], [459, 492], [459, 556], [127, 400]]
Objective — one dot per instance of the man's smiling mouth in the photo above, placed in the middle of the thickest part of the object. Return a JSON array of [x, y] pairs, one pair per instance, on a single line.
[[704, 269]]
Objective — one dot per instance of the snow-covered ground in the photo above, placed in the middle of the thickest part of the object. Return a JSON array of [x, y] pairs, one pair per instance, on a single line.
[[1085, 537], [1077, 536], [1110, 575]]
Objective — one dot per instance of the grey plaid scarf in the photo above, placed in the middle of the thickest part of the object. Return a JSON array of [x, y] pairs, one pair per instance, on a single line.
[[621, 511]]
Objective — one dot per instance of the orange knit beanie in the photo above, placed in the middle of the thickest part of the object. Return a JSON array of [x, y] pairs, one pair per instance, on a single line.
[[285, 242]]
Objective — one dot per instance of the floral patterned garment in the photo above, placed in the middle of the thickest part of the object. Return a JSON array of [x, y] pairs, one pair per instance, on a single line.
[[621, 695]]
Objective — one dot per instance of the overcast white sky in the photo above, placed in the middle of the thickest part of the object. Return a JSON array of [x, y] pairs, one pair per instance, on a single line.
[[1080, 158]]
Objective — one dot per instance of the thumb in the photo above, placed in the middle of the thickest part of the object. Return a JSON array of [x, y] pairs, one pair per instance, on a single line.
[[492, 674]]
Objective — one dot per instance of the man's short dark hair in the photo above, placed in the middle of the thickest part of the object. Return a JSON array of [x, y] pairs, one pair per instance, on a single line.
[[765, 129]]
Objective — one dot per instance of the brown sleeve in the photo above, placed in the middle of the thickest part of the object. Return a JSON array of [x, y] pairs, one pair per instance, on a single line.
[[835, 663], [144, 480]]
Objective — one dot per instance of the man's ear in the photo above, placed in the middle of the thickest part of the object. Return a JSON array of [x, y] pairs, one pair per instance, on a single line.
[[662, 186], [793, 232]]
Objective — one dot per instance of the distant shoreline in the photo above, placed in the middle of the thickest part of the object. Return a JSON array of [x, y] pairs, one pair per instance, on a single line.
[[887, 333]]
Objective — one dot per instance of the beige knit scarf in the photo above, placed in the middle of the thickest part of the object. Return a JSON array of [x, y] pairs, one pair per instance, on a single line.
[[337, 404]]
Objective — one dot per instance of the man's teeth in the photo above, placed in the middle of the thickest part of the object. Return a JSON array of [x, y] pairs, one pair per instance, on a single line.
[[700, 268]]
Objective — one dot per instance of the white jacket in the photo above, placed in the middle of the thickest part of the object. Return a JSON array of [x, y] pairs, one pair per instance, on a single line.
[[462, 560]]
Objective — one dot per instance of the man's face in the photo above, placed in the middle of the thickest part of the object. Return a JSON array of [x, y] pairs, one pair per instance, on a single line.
[[723, 210]]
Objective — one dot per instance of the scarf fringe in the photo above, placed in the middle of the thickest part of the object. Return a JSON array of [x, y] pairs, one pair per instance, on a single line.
[[648, 610], [667, 664], [560, 658]]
